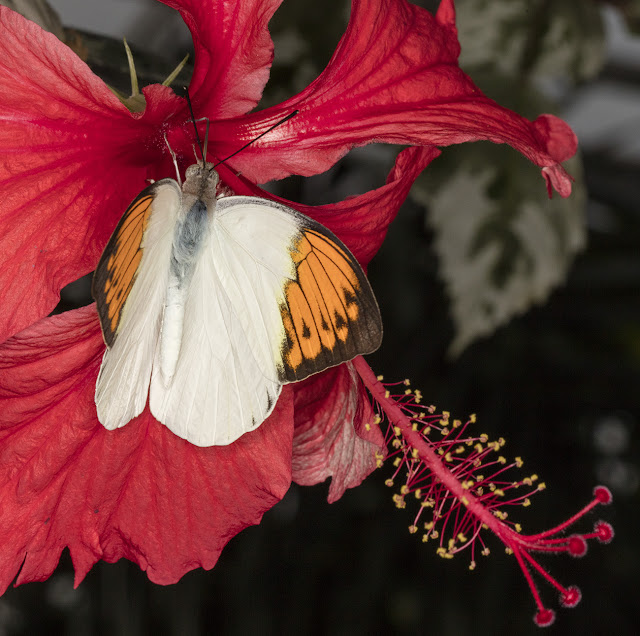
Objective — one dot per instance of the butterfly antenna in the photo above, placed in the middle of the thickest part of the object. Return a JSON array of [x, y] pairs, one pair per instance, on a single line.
[[203, 151], [233, 154]]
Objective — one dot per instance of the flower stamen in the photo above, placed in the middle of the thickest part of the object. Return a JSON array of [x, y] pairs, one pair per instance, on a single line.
[[460, 480]]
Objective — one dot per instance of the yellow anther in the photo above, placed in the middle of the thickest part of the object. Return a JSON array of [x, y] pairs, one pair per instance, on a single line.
[[448, 457], [406, 382], [427, 430], [413, 529], [457, 423], [484, 438], [441, 552], [502, 460], [451, 544], [418, 493], [534, 477], [428, 525], [472, 565], [519, 462], [397, 461], [407, 392], [435, 534], [518, 528], [542, 485], [415, 454], [404, 490], [527, 502], [380, 378], [461, 537], [414, 426], [389, 483], [485, 552], [367, 426], [399, 501], [498, 492], [396, 443], [478, 447], [387, 394], [459, 450], [425, 538], [501, 441], [472, 418], [508, 550], [480, 491], [444, 431], [464, 501], [396, 431], [432, 408], [527, 481]]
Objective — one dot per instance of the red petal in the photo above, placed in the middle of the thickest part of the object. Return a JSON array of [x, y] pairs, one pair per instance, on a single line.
[[139, 492], [331, 438], [394, 78], [233, 53], [73, 158], [361, 221]]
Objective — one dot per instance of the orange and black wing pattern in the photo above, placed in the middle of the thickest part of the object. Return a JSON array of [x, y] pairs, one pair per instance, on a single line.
[[330, 314], [116, 272]]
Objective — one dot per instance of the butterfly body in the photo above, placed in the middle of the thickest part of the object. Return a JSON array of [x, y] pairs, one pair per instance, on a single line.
[[209, 305]]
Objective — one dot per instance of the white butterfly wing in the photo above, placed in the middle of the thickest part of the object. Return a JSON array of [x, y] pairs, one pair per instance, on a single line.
[[274, 298], [311, 305], [217, 392], [130, 287]]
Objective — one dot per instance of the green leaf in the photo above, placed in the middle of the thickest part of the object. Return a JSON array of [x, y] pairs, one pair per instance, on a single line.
[[502, 244], [543, 38]]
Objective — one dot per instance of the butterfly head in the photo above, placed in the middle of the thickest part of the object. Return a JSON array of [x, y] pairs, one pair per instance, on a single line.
[[201, 180]]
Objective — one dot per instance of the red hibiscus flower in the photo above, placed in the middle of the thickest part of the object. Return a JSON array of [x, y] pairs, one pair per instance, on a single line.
[[74, 157]]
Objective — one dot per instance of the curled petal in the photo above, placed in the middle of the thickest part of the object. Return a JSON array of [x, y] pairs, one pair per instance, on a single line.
[[138, 492], [334, 431], [393, 78], [233, 53], [65, 175]]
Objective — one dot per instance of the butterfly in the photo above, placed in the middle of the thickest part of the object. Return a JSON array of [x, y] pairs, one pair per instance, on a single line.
[[209, 304]]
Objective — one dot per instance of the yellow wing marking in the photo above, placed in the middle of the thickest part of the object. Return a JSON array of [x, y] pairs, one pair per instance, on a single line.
[[324, 307], [116, 271]]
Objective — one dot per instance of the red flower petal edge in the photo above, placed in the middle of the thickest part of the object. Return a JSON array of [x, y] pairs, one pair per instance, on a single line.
[[138, 492], [394, 78], [334, 436]]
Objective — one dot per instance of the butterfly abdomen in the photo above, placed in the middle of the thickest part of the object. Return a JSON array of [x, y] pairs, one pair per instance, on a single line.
[[188, 239]]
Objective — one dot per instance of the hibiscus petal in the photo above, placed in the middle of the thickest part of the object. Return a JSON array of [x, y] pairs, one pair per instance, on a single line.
[[335, 435], [233, 53], [394, 78], [360, 221], [73, 158], [139, 492]]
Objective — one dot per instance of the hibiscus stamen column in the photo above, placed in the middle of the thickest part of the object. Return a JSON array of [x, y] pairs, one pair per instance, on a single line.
[[461, 480]]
